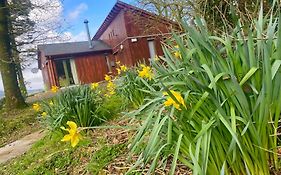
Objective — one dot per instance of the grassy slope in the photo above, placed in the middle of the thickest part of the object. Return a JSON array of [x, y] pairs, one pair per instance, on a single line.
[[16, 124], [51, 156]]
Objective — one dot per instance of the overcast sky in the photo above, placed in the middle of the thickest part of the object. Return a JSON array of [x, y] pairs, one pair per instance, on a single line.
[[74, 12]]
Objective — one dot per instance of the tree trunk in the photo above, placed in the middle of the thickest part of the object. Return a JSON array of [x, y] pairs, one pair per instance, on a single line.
[[13, 96], [22, 85]]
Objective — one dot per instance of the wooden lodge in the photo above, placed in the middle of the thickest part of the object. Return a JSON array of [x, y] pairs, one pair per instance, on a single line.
[[128, 34]]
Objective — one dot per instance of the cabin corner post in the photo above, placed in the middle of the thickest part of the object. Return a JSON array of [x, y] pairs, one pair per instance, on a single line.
[[108, 63]]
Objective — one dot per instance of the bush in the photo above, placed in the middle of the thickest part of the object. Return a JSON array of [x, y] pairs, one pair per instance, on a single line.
[[79, 104], [223, 113], [133, 87]]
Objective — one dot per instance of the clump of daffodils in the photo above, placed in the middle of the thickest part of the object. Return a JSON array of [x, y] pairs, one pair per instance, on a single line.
[[94, 86], [121, 68], [73, 133], [54, 89], [110, 87], [145, 72], [176, 103]]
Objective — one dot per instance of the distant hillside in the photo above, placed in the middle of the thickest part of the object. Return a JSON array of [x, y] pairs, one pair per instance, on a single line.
[[33, 91]]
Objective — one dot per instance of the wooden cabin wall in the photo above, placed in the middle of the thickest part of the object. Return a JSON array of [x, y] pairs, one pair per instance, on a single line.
[[142, 27], [91, 68], [140, 49], [115, 35], [52, 73], [138, 24], [48, 72]]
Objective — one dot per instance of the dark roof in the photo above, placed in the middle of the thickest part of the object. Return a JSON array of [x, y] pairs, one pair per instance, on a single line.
[[71, 48], [119, 5]]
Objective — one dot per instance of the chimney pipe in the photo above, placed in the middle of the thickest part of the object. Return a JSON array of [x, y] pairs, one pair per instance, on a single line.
[[88, 33]]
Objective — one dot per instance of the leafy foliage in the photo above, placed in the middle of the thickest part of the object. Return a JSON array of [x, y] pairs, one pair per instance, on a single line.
[[133, 87], [232, 91], [79, 104]]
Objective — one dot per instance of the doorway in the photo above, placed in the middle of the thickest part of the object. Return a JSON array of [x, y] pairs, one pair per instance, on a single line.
[[65, 72]]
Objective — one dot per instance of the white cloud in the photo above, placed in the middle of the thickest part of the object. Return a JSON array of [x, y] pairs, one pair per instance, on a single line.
[[82, 36], [77, 11]]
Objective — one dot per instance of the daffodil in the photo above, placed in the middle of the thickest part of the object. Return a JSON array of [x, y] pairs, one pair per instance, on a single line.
[[146, 72], [118, 71], [44, 114], [123, 68], [54, 89], [111, 86], [94, 86], [177, 53], [110, 89], [36, 107], [73, 136], [107, 78], [170, 101]]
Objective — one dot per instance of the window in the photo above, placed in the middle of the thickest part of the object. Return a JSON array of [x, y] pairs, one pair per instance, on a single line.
[[152, 50]]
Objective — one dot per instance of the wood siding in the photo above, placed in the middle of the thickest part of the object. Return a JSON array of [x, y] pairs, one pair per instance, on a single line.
[[116, 31], [140, 49], [138, 24], [48, 72], [91, 68], [115, 35]]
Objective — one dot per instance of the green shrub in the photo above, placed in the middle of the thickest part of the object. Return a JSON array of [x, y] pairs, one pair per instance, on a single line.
[[79, 104], [133, 87], [231, 86]]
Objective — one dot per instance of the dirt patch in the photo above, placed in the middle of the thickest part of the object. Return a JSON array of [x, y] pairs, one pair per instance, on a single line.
[[19, 147]]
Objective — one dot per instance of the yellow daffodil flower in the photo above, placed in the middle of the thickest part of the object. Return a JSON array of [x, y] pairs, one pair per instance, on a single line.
[[36, 107], [110, 88], [94, 86], [110, 85], [170, 101], [123, 68], [54, 89], [111, 92], [44, 114], [146, 72], [118, 71], [107, 78], [73, 135], [177, 54]]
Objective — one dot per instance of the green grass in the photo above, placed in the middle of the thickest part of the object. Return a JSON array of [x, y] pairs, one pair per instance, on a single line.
[[51, 156], [16, 124], [47, 156]]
